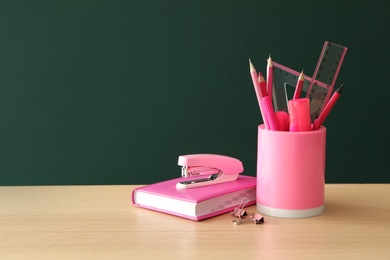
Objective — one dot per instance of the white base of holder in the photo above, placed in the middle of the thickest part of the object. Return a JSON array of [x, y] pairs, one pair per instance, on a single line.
[[288, 213]]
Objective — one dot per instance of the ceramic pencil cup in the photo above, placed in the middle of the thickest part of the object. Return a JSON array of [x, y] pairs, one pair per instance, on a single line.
[[290, 173]]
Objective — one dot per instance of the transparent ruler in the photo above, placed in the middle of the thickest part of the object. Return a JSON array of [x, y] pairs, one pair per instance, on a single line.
[[317, 88]]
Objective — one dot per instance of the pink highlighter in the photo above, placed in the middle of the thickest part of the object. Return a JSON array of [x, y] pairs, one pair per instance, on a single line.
[[299, 110]]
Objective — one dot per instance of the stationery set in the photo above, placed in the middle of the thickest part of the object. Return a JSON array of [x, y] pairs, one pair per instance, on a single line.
[[212, 184]]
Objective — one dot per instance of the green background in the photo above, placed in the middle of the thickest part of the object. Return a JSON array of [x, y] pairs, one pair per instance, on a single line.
[[112, 92]]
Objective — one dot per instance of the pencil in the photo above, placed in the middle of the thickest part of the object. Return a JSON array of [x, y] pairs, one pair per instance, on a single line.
[[269, 77], [256, 85], [328, 107], [298, 88], [262, 83], [255, 81]]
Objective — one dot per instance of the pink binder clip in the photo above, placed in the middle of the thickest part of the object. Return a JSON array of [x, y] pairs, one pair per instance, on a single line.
[[240, 212], [255, 218]]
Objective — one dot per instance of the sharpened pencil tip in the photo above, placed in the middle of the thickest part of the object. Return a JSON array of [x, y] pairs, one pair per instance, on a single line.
[[301, 76], [261, 77], [269, 61], [339, 90], [251, 67]]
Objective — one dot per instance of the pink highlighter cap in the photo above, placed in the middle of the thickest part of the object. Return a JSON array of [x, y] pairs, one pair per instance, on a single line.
[[299, 115]]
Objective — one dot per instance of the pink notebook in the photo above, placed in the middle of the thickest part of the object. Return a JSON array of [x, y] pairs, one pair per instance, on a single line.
[[196, 203]]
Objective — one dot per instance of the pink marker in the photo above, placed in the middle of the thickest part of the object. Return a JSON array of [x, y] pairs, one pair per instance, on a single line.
[[299, 114], [269, 113]]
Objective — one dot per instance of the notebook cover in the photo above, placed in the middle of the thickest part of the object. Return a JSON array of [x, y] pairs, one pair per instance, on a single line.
[[197, 195]]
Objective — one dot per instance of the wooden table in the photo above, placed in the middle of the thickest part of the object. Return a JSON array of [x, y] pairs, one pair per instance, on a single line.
[[99, 222]]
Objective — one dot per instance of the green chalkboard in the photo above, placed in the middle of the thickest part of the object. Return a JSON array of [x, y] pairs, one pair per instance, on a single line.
[[112, 92]]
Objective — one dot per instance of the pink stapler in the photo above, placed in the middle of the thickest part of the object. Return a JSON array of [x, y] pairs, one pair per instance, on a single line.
[[212, 169]]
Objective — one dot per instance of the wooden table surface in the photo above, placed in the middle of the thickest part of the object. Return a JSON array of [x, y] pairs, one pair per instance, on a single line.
[[99, 222]]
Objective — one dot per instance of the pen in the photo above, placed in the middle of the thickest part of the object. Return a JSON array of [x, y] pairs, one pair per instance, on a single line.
[[269, 77], [298, 88], [320, 120]]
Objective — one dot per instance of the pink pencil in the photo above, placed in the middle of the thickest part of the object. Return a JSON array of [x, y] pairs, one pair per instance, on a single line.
[[263, 87], [298, 88], [320, 120], [256, 85], [269, 77], [255, 81]]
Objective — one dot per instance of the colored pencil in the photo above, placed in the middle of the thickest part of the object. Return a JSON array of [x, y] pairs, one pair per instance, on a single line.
[[328, 107], [298, 88], [269, 77]]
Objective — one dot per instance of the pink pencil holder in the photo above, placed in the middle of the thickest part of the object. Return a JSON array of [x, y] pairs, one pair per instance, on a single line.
[[290, 173]]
